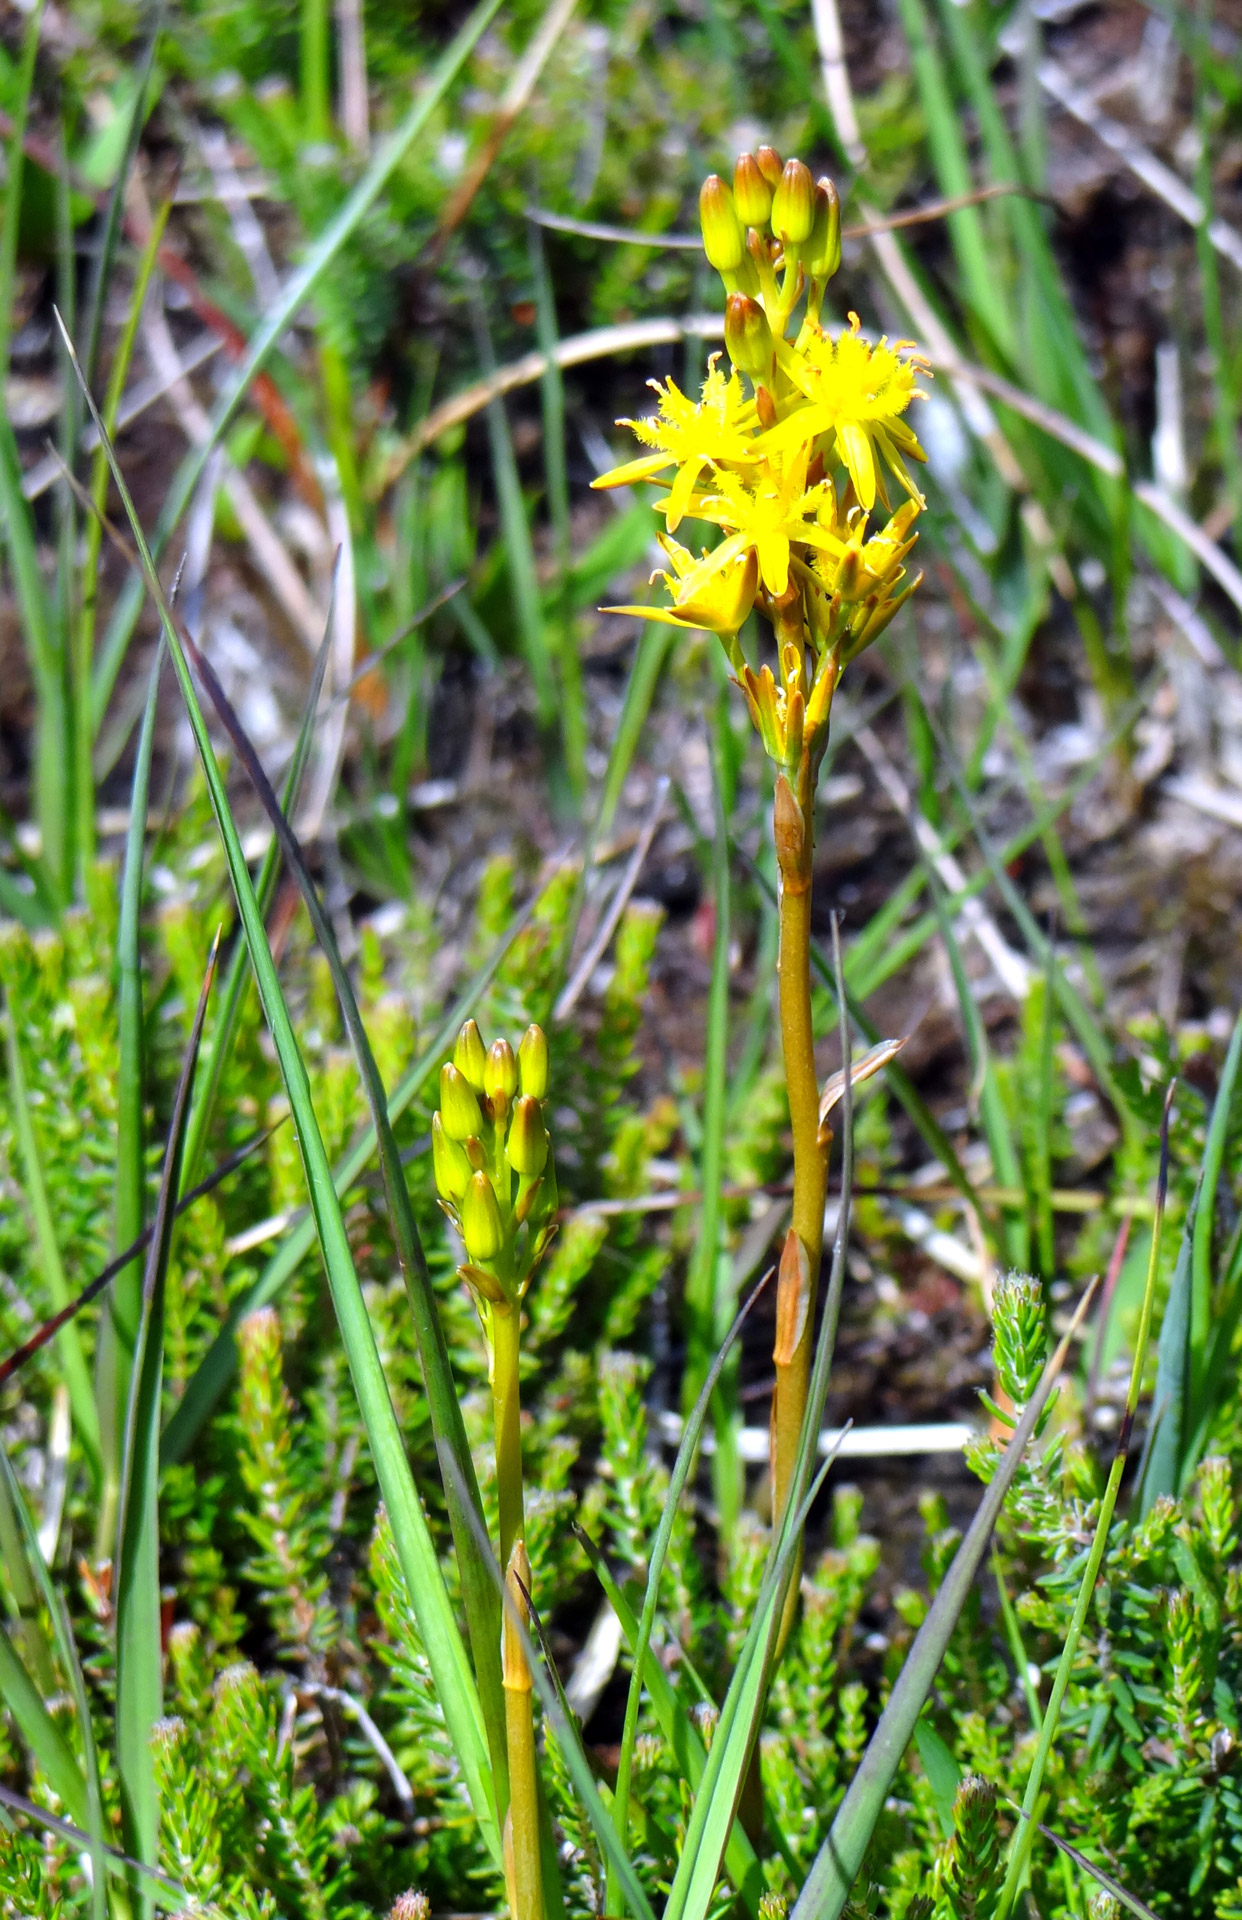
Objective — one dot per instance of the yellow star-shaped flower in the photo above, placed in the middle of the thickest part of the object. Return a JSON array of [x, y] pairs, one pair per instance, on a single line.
[[718, 431], [857, 393], [717, 602], [767, 513]]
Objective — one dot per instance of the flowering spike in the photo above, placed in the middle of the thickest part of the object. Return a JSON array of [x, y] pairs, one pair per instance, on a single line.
[[481, 1225], [459, 1105], [793, 204], [724, 241], [533, 1062], [752, 194], [468, 1055]]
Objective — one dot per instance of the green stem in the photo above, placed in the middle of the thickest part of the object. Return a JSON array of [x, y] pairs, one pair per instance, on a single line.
[[523, 1861]]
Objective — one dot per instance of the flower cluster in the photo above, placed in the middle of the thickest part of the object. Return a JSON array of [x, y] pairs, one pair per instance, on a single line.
[[787, 455], [493, 1162]]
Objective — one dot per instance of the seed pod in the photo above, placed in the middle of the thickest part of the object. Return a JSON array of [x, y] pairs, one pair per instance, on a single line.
[[459, 1105], [527, 1151], [533, 1062], [724, 241], [823, 253], [752, 195], [469, 1057], [793, 204], [481, 1226], [748, 336], [500, 1071], [450, 1162], [770, 165]]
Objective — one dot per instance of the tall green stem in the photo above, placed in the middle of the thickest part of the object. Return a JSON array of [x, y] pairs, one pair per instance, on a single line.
[[523, 1866]]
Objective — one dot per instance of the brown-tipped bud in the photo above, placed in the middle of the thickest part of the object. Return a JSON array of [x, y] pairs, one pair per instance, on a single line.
[[724, 241], [748, 336], [481, 1225], [450, 1162], [752, 196], [469, 1056], [533, 1062], [793, 204], [459, 1104], [527, 1150], [500, 1071], [823, 253], [770, 165]]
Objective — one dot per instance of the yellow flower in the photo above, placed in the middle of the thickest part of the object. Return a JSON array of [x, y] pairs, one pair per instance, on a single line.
[[718, 430], [766, 513], [857, 393], [716, 602]]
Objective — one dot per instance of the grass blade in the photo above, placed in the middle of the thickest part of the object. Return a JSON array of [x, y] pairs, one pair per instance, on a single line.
[[454, 1681], [482, 1614], [139, 1643], [837, 1863], [40, 1732], [1023, 1838], [168, 1892]]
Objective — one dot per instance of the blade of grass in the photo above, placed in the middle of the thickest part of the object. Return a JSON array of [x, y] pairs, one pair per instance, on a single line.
[[297, 288], [556, 478], [1205, 1218], [837, 1863], [40, 1732], [482, 1616], [136, 1576], [170, 1893], [454, 1681], [1020, 1846], [216, 1369], [23, 88], [1129, 1901], [69, 1346], [118, 1332]]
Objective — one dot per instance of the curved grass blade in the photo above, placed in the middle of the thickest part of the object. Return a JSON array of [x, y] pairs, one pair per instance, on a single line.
[[836, 1865], [139, 1649], [172, 1890], [743, 1863], [16, 1360], [451, 1672], [219, 1363], [1130, 1901], [72, 1359], [40, 1732], [1023, 1838], [448, 1426], [297, 289]]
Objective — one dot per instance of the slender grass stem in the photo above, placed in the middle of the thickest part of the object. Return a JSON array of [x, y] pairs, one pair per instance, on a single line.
[[523, 1863]]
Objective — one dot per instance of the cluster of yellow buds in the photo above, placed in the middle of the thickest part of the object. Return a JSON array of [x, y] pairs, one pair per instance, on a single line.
[[493, 1162], [790, 470]]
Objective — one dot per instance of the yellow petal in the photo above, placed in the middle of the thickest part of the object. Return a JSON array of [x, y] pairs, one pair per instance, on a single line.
[[774, 561], [683, 487], [632, 470], [854, 447]]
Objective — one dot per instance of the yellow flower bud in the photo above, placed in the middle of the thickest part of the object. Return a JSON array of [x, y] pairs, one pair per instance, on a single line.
[[748, 336], [481, 1227], [751, 193], [724, 242], [459, 1105], [533, 1062], [770, 165], [823, 253], [793, 204], [500, 1071], [527, 1151], [468, 1055], [450, 1161]]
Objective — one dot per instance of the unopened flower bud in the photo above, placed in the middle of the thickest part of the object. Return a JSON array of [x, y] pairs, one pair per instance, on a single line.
[[450, 1162], [823, 253], [500, 1071], [527, 1150], [533, 1062], [770, 165], [469, 1057], [752, 195], [793, 204], [724, 241], [748, 336], [459, 1104], [481, 1227]]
